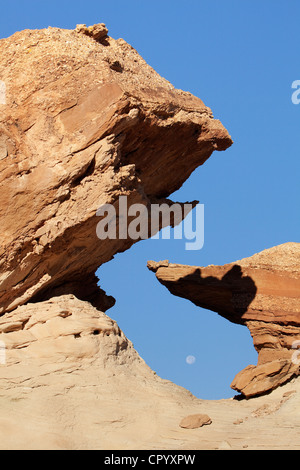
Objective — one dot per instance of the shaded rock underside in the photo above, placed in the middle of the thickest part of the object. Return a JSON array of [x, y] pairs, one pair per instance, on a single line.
[[261, 292]]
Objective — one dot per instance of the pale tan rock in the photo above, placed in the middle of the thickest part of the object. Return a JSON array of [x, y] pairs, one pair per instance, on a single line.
[[261, 292], [73, 381], [195, 421]]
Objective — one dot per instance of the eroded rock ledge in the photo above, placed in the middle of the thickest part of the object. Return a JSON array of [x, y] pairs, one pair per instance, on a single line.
[[261, 292], [85, 120]]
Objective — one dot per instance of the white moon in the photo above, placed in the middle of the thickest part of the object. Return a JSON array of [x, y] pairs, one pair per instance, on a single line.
[[190, 360]]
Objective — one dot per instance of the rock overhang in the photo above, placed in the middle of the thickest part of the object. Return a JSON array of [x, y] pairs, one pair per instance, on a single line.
[[78, 131]]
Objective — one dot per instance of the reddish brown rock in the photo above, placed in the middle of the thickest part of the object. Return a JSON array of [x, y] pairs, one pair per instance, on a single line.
[[84, 120], [261, 292]]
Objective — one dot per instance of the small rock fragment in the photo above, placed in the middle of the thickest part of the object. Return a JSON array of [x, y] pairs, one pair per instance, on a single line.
[[97, 31], [155, 265], [238, 421], [195, 421]]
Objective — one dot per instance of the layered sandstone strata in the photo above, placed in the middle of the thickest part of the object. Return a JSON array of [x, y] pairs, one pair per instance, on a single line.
[[73, 381], [261, 292], [85, 120]]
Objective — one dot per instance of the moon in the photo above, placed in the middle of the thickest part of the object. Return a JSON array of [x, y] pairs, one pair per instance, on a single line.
[[190, 360]]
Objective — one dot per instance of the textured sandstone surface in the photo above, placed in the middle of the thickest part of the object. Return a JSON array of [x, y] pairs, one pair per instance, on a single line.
[[261, 292], [72, 380], [86, 120], [195, 421]]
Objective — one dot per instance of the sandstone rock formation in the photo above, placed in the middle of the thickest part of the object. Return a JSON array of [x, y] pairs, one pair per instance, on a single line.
[[85, 120], [73, 381], [261, 292]]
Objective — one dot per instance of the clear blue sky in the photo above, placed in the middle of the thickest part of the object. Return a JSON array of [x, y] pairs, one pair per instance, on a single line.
[[240, 58]]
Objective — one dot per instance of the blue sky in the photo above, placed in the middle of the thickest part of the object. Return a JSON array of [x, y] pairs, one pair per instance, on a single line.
[[240, 58]]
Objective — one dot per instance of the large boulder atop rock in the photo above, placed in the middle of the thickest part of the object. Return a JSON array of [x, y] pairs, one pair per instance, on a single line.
[[261, 292], [84, 120]]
